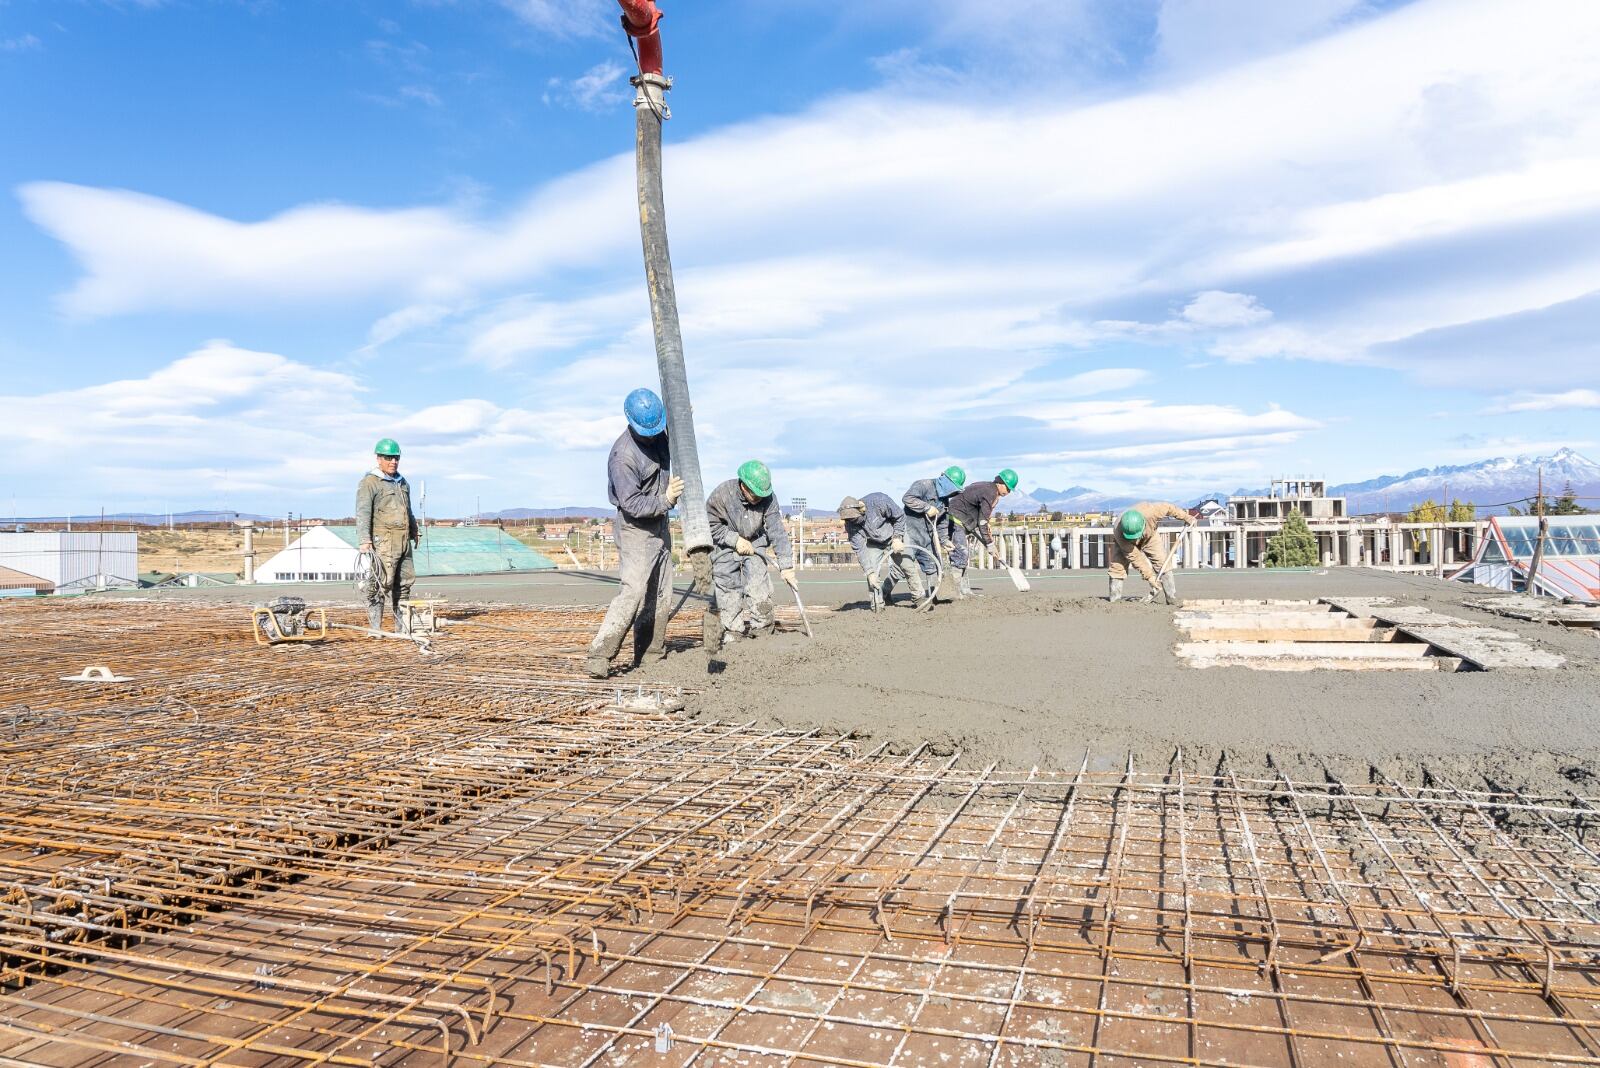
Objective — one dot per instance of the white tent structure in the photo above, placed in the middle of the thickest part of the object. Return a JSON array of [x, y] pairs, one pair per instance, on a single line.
[[318, 555]]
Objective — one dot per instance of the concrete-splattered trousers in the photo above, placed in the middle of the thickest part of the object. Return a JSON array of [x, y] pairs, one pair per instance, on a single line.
[[885, 568], [394, 572], [644, 599], [1146, 555], [919, 542], [744, 590]]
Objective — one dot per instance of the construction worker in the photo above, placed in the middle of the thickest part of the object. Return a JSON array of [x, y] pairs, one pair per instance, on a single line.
[[387, 531], [971, 509], [876, 527], [927, 503], [744, 519], [643, 490], [1134, 538]]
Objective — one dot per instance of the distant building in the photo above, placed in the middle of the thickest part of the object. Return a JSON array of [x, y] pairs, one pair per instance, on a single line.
[[74, 561], [328, 554], [1210, 513], [20, 584], [1308, 496]]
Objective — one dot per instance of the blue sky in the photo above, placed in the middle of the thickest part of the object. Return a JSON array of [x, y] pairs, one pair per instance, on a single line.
[[1150, 247]]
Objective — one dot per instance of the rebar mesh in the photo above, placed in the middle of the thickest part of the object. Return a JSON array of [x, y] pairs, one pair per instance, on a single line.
[[348, 853]]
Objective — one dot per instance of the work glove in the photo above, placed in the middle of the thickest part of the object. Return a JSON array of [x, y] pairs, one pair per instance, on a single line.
[[787, 574], [896, 545], [674, 490], [366, 546], [744, 548], [932, 513], [1191, 521]]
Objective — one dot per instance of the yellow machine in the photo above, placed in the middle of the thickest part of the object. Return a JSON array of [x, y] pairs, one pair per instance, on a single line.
[[417, 618], [287, 619]]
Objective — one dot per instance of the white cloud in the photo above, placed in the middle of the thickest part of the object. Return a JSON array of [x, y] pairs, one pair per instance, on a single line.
[[1549, 402], [603, 87], [27, 42], [564, 18], [1219, 309], [1207, 34]]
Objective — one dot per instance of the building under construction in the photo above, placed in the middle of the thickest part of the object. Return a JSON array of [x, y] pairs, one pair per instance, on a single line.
[[456, 851]]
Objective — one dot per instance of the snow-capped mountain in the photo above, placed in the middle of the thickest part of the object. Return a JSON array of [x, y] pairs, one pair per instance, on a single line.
[[1489, 484]]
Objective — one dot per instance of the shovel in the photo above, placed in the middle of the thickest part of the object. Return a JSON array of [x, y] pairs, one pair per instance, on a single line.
[[1018, 579], [938, 563], [798, 603]]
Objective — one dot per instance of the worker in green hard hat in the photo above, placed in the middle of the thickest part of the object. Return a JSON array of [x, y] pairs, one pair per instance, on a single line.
[[1134, 539], [745, 519], [971, 509], [927, 505], [386, 530]]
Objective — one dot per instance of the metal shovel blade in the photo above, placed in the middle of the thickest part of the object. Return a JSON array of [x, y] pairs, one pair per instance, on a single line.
[[1019, 580]]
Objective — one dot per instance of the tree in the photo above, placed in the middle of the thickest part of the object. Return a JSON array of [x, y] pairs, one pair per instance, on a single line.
[[1294, 545], [1429, 511], [1567, 503], [1462, 511], [1055, 517]]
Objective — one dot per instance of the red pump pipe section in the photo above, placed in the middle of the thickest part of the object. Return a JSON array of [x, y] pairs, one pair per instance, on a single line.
[[642, 20]]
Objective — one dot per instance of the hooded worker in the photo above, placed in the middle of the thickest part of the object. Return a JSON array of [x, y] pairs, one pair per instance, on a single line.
[[1135, 539], [927, 505], [744, 519], [641, 486], [971, 509], [876, 527], [387, 531]]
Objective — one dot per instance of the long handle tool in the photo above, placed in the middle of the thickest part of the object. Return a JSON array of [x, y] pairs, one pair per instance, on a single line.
[[798, 603]]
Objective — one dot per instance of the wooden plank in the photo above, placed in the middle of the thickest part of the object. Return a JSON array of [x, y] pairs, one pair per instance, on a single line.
[[1329, 620], [1326, 650], [1429, 663], [1353, 631], [1208, 604], [1540, 610]]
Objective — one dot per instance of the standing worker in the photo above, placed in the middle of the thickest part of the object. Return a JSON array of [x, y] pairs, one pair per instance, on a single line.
[[744, 518], [876, 527], [971, 509], [387, 531], [643, 490], [927, 502], [1135, 539]]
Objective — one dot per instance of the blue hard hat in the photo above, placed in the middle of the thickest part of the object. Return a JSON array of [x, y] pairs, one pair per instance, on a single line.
[[645, 412]]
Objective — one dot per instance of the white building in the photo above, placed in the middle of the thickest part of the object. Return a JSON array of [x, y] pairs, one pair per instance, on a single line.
[[73, 561], [328, 554], [318, 555], [1308, 496]]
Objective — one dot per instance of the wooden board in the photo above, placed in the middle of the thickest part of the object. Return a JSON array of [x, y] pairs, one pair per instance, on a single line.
[[1307, 650], [1540, 610], [1351, 630], [1427, 663]]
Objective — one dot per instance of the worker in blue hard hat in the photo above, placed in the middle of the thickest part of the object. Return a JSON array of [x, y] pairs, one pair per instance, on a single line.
[[1134, 540], [386, 531], [643, 489]]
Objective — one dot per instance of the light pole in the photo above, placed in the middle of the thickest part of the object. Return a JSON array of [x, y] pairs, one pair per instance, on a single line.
[[799, 506]]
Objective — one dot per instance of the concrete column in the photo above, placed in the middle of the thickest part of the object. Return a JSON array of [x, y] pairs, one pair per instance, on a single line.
[[1236, 536]]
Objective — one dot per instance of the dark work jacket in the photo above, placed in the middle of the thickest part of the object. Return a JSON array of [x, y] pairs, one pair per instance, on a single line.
[[973, 506], [637, 474]]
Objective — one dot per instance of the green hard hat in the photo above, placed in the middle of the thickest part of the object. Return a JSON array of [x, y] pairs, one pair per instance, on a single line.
[[1131, 525], [956, 475], [1009, 477], [756, 478], [387, 447]]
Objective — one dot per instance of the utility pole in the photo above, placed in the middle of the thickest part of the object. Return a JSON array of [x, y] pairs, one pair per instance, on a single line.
[[1537, 562], [641, 19]]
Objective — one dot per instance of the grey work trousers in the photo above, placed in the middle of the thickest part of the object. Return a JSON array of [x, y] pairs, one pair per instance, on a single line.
[[885, 568], [744, 591], [644, 599]]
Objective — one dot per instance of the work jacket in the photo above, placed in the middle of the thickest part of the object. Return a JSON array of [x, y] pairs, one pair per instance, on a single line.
[[881, 522], [383, 507], [732, 518], [1153, 512], [929, 492], [637, 473], [972, 508]]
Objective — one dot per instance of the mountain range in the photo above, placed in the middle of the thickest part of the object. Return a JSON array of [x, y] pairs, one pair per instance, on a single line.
[[1492, 485]]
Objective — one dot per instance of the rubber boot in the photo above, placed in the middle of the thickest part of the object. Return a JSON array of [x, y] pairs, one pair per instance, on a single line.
[[1116, 591], [374, 617], [963, 590], [402, 621], [598, 667], [1169, 588]]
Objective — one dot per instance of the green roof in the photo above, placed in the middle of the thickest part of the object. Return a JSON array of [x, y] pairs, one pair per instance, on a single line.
[[467, 551]]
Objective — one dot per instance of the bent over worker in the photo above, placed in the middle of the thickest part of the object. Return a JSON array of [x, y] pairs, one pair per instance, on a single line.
[[643, 490], [876, 527], [927, 505], [744, 519], [1135, 540], [971, 509], [386, 529]]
